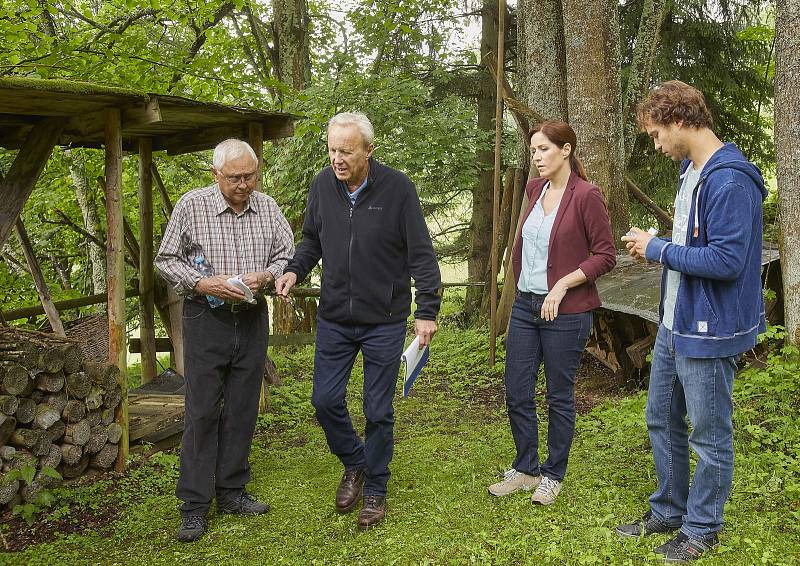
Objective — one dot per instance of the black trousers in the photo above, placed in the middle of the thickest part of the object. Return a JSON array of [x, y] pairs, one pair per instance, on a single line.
[[224, 357]]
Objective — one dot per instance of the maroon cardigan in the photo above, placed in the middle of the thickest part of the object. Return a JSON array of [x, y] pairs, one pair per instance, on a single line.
[[581, 237]]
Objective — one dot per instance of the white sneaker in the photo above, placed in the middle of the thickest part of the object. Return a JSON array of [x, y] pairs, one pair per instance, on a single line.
[[514, 481], [546, 492]]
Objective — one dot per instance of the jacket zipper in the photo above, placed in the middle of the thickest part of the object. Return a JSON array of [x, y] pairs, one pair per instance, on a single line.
[[350, 265]]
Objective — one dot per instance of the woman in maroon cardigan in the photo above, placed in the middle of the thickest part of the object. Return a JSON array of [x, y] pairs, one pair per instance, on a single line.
[[563, 244]]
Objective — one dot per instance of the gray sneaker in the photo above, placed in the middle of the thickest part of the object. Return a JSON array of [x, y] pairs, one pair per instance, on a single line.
[[514, 481], [546, 492]]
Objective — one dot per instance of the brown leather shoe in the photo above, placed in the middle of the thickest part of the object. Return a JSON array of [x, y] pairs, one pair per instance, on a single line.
[[348, 494], [372, 512]]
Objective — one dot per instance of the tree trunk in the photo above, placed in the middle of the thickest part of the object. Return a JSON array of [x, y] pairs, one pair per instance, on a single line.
[[644, 55], [290, 39], [787, 148], [87, 201], [591, 32], [481, 225], [541, 61]]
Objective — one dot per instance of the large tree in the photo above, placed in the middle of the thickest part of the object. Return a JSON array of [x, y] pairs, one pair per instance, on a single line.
[[787, 148]]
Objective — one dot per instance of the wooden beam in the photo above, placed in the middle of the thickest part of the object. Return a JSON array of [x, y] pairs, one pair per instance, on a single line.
[[24, 172], [91, 124], [162, 190], [498, 160], [255, 137], [129, 239], [116, 270], [147, 330], [38, 280], [165, 344], [660, 214], [207, 138], [27, 312]]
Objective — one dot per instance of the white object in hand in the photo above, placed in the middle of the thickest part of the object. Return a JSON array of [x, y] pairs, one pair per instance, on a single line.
[[239, 284]]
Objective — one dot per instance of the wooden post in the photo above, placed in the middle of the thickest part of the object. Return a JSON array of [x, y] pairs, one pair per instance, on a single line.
[[498, 138], [147, 330], [38, 280], [255, 134], [115, 256], [24, 172]]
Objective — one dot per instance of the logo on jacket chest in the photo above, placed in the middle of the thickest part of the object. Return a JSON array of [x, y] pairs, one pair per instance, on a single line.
[[373, 207]]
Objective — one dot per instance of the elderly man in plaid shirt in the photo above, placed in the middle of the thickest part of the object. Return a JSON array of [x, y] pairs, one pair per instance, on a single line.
[[215, 233]]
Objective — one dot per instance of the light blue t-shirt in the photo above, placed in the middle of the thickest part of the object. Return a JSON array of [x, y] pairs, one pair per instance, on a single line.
[[354, 195], [535, 244], [680, 224]]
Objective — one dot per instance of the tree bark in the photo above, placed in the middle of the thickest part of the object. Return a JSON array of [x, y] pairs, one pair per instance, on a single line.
[[591, 31], [787, 148], [644, 55], [481, 224], [290, 40], [541, 58], [87, 201]]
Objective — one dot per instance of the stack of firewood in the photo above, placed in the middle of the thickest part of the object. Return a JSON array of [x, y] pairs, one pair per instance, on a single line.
[[56, 411]]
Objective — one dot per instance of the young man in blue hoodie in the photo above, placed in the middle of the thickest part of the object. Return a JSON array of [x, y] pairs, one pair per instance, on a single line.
[[712, 311]]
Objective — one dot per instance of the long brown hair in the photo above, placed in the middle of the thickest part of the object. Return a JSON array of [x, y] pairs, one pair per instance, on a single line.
[[560, 133]]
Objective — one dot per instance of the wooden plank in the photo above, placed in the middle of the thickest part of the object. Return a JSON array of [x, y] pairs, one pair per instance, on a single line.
[[165, 344], [147, 330], [38, 280], [36, 310], [24, 172], [116, 270]]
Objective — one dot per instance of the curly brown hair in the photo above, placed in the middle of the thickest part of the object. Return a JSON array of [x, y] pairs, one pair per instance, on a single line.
[[672, 102]]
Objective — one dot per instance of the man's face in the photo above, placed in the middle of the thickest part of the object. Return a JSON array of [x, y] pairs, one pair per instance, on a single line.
[[349, 154], [668, 139], [237, 179]]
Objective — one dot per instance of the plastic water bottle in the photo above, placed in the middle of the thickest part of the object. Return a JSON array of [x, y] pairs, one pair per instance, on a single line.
[[205, 270]]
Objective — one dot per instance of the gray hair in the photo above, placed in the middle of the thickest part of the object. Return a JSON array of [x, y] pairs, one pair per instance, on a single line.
[[357, 119], [231, 149]]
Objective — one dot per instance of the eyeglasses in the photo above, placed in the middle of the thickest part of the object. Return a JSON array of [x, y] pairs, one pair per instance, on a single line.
[[237, 179]]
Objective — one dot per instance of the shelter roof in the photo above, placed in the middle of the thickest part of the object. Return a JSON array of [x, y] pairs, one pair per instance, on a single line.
[[634, 287], [175, 124]]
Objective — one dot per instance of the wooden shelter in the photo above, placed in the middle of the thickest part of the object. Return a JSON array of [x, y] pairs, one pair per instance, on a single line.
[[36, 115]]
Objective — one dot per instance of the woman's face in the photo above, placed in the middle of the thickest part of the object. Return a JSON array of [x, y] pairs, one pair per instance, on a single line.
[[547, 157]]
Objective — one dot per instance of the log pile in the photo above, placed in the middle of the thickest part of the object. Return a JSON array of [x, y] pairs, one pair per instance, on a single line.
[[56, 411]]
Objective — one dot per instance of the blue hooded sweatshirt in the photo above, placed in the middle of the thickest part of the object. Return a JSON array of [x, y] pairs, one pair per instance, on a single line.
[[719, 310]]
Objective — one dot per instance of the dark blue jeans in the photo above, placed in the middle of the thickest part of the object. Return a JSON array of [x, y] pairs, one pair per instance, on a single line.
[[336, 350], [224, 357], [559, 344], [702, 389]]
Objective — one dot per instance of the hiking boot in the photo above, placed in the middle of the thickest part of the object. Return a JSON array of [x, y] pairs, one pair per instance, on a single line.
[[348, 494], [372, 512], [514, 481], [647, 525], [192, 528], [546, 492], [683, 549], [244, 504]]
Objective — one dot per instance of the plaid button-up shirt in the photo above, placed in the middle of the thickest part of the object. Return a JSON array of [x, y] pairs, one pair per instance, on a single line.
[[257, 239]]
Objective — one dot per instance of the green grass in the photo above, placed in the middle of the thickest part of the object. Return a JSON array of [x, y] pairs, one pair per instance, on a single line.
[[452, 441]]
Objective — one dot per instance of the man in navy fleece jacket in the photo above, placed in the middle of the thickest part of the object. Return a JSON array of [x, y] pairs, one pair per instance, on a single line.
[[711, 311]]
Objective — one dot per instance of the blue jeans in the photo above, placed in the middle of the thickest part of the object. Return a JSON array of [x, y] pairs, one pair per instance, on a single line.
[[700, 388], [559, 344], [336, 350]]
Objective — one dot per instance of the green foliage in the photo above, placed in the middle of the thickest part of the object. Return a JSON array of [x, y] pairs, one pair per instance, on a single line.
[[44, 497], [723, 50]]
